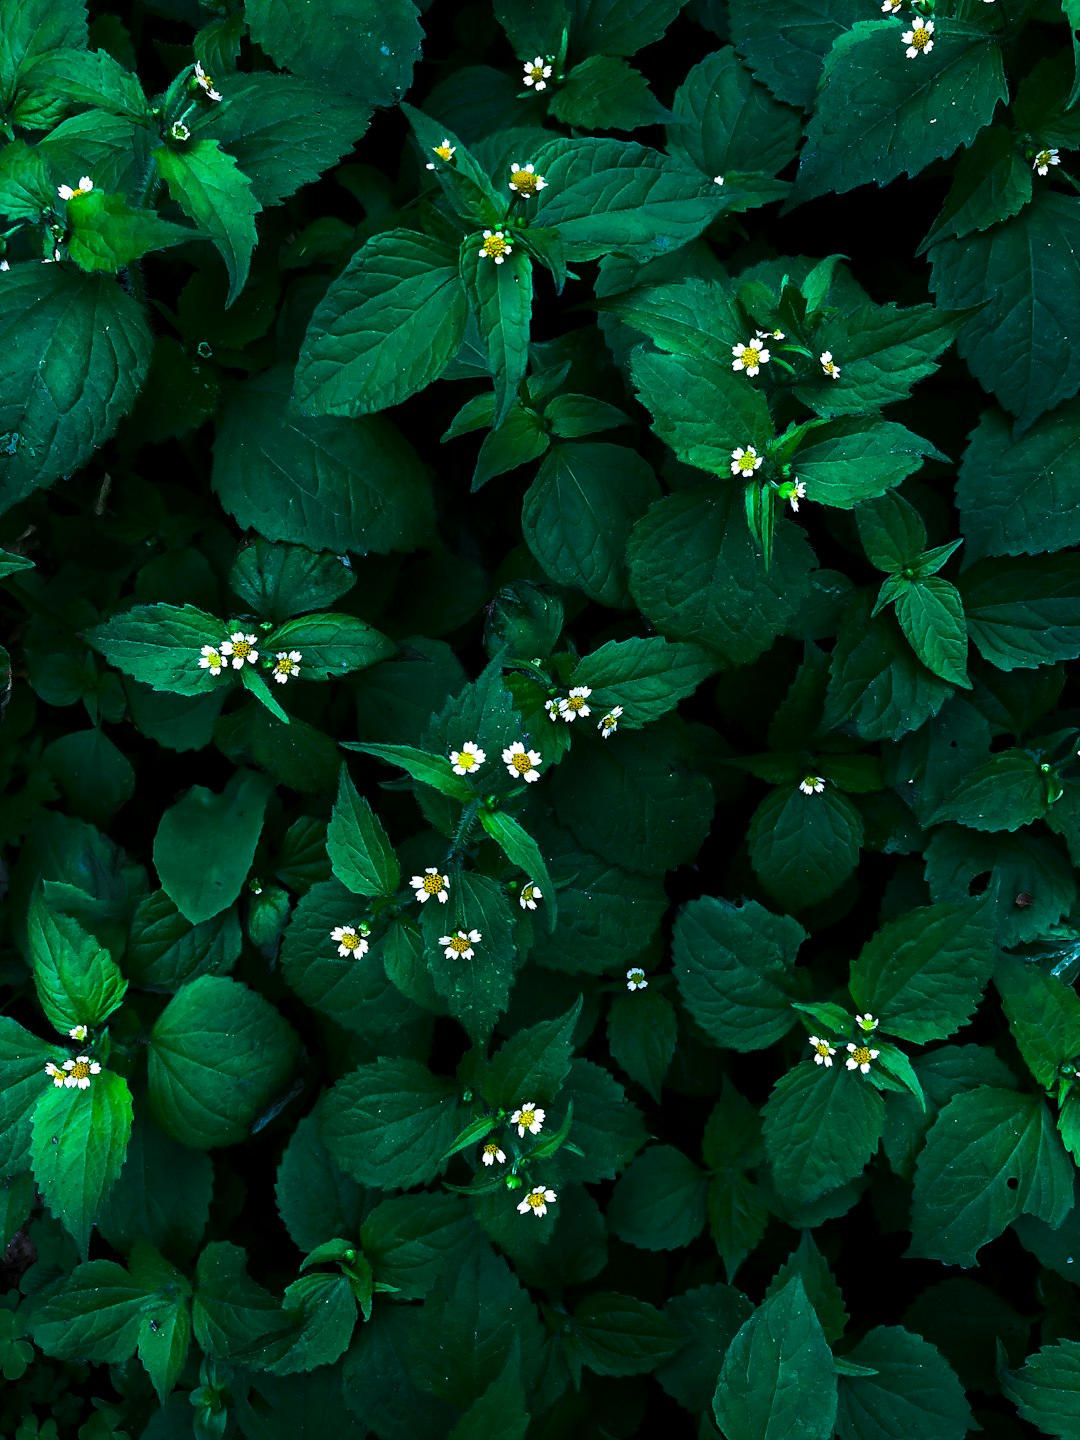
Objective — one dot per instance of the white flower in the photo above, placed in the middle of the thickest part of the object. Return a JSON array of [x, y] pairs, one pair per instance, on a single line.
[[1044, 159], [496, 246], [812, 784], [794, 491], [241, 647], [211, 659], [524, 179], [745, 462], [536, 73], [179, 132], [635, 979], [55, 1074], [574, 705], [552, 708], [537, 1200], [84, 187], [457, 946], [521, 763], [469, 757], [749, 358], [203, 80], [823, 1051], [770, 334], [529, 895], [79, 1071], [718, 180], [859, 1058], [445, 151], [491, 1153], [4, 266], [867, 1022], [826, 361], [432, 882], [286, 665], [918, 38], [610, 722], [350, 939], [891, 7], [529, 1117], [78, 1032]]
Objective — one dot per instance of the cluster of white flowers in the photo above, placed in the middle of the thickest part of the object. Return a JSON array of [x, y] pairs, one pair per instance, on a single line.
[[432, 882], [350, 939], [459, 945], [529, 1119], [240, 647], [859, 1056], [73, 1074]]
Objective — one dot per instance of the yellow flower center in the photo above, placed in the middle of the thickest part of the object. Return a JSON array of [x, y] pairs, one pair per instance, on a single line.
[[491, 1149], [536, 71], [466, 760], [242, 648], [527, 1118], [521, 763], [920, 37], [432, 884], [861, 1056], [206, 81], [752, 355], [746, 463], [80, 1070], [829, 367], [524, 180], [459, 944], [443, 152], [285, 666], [495, 245], [214, 657], [528, 892], [77, 192], [536, 1199], [609, 722], [822, 1049], [350, 940], [576, 702], [1043, 157]]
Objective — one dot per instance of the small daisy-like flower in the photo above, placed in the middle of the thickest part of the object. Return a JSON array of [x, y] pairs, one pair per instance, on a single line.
[[1044, 159], [210, 659], [635, 979], [867, 1022], [205, 83], [432, 882], [891, 7], [179, 131], [745, 462], [812, 784], [491, 1153], [718, 180], [552, 708], [770, 334], [610, 722], [350, 940], [574, 705], [521, 763], [286, 665], [78, 1032], [798, 493], [84, 187], [55, 1074], [529, 1117], [826, 361], [859, 1057], [524, 179], [459, 945], [749, 357], [530, 894], [496, 246], [918, 38], [470, 757], [537, 73], [823, 1051], [79, 1071], [537, 1200], [445, 152], [240, 647]]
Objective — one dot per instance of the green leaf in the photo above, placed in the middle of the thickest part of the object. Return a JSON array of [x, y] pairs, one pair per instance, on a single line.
[[876, 119], [1009, 791], [315, 1200], [85, 77], [165, 950], [991, 1156], [876, 685], [23, 1058], [660, 1202], [642, 1031], [79, 1142], [578, 513], [164, 1338], [848, 461], [803, 847], [278, 581], [726, 124], [501, 299], [885, 351], [520, 438], [608, 1128], [211, 189], [923, 974], [1026, 865], [735, 966], [365, 48], [522, 850], [701, 407], [786, 46], [51, 418], [160, 645], [386, 327], [1043, 1015], [706, 1319], [610, 27], [231, 1314], [695, 573], [330, 645], [1018, 345], [390, 1123], [931, 615], [105, 232], [219, 1055], [808, 1263], [533, 1063], [778, 1375], [1023, 613], [991, 183], [605, 93], [912, 1392], [91, 1314], [77, 980], [892, 532], [1045, 1390], [432, 770], [821, 1126], [683, 318], [162, 1196], [414, 1240], [477, 990], [619, 1335], [205, 844], [35, 27], [359, 848], [324, 1307]]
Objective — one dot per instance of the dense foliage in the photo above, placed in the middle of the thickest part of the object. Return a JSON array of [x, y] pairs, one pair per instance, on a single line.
[[541, 784]]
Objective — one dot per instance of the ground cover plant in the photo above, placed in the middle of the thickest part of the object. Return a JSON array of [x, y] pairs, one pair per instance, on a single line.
[[541, 780]]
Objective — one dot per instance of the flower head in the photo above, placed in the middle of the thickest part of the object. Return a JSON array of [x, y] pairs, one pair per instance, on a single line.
[[867, 1022], [78, 1032], [286, 665], [917, 39], [55, 1074], [459, 945], [574, 705], [84, 187], [445, 152], [859, 1058], [491, 1153], [350, 939], [812, 784], [496, 246], [432, 882], [537, 1200], [210, 659], [745, 462], [635, 978], [793, 491], [179, 132], [823, 1051], [749, 357], [240, 647], [470, 757], [521, 763], [205, 83], [610, 722], [529, 1117], [524, 180], [537, 73], [552, 708], [770, 334], [826, 361], [79, 1071], [530, 894], [1044, 159], [891, 7]]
